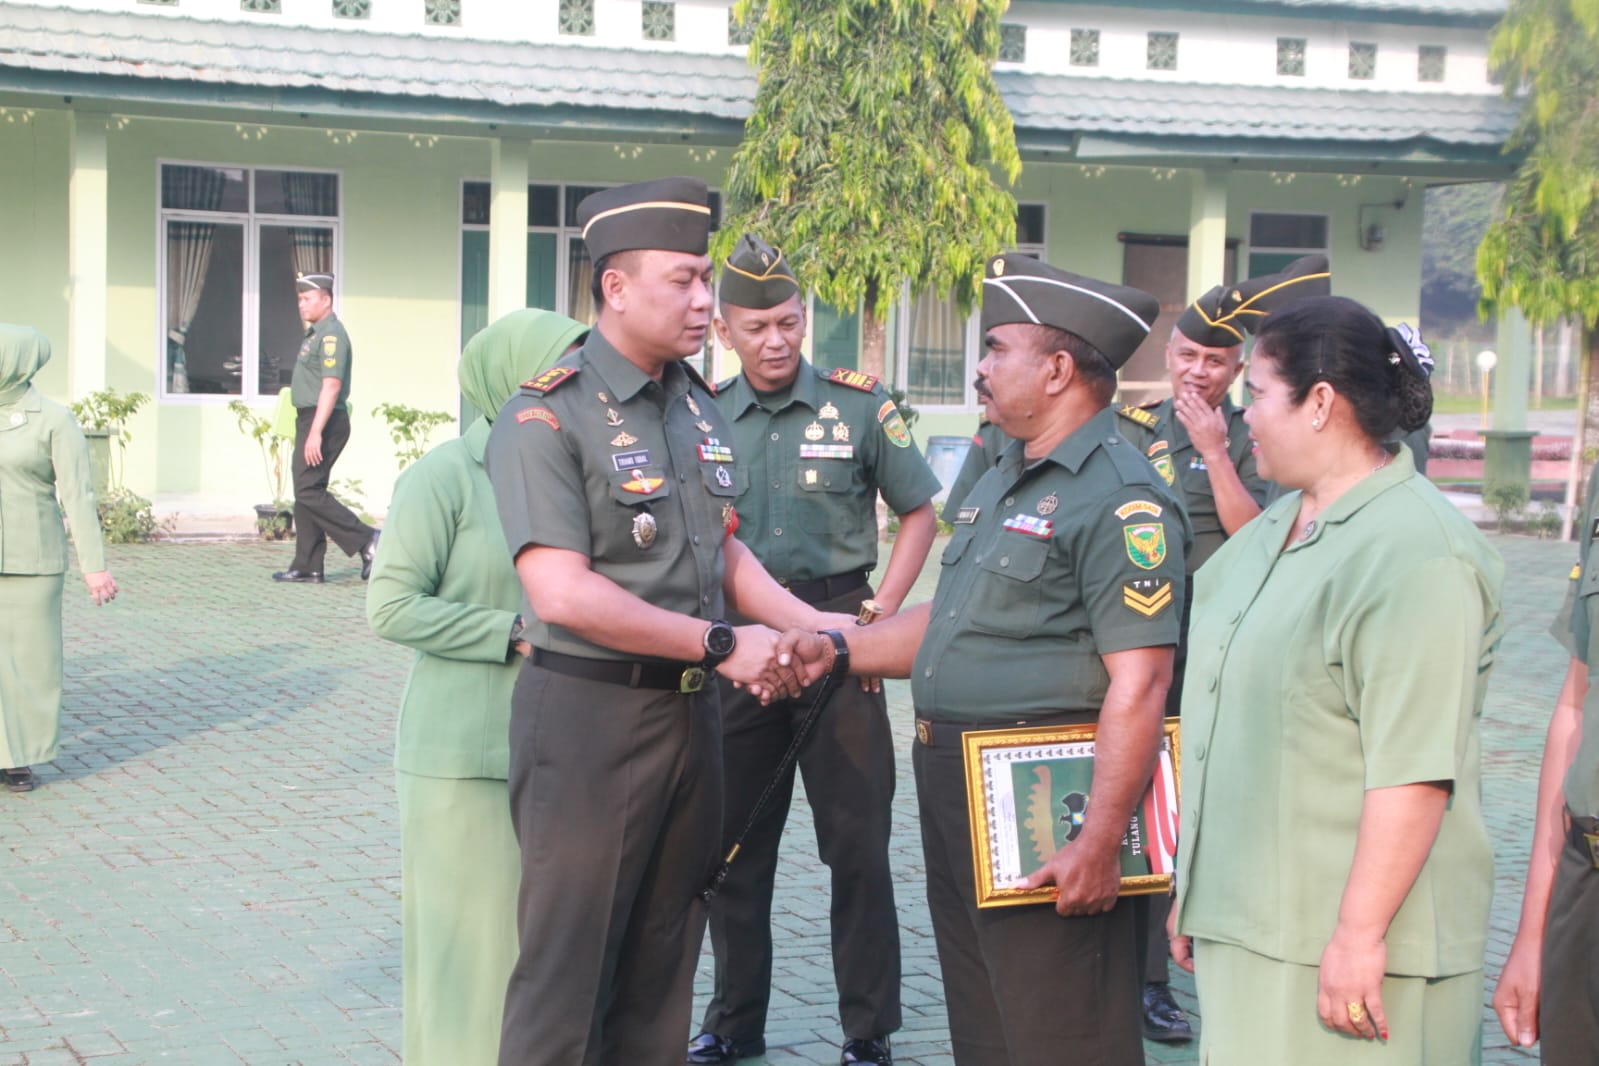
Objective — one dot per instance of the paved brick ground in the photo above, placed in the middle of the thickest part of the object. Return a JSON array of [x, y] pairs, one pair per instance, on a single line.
[[210, 872]]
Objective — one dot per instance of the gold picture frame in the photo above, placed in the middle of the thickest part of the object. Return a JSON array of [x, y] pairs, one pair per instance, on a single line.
[[1054, 764]]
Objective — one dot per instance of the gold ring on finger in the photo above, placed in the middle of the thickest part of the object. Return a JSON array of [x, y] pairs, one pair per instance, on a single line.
[[1357, 1013]]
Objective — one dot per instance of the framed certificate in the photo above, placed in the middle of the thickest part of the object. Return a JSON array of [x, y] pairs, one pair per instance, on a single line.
[[1028, 791]]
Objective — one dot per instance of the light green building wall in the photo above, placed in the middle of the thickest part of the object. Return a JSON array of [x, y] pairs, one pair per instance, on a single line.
[[33, 233]]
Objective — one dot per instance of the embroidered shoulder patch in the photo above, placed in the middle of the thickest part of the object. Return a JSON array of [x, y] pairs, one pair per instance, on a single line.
[[853, 378], [330, 345], [538, 414], [1147, 596], [893, 424], [1144, 418], [548, 381]]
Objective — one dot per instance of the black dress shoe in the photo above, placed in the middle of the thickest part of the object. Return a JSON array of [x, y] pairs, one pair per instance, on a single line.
[[873, 1050], [297, 576], [710, 1048], [369, 553], [18, 779], [1164, 1020]]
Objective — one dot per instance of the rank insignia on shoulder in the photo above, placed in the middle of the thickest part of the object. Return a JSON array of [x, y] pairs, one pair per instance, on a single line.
[[538, 414], [893, 424], [642, 483], [966, 516], [1132, 507], [1147, 596], [1144, 418], [1032, 525], [551, 379], [853, 378], [1146, 545]]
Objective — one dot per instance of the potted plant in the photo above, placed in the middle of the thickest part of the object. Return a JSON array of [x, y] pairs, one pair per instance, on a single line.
[[275, 520], [409, 428]]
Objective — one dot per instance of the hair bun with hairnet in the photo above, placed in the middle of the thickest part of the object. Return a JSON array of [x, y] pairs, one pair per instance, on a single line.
[[1413, 364]]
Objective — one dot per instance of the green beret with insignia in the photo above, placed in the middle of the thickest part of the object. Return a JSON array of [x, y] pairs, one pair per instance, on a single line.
[[669, 214], [1115, 319], [313, 282], [1221, 317], [756, 276]]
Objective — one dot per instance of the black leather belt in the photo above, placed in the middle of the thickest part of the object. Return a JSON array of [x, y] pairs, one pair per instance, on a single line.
[[827, 588], [947, 734], [672, 677]]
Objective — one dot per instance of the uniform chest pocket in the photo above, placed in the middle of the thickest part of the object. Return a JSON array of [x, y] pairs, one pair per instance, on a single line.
[[724, 479], [643, 484], [956, 546], [826, 502], [1008, 595]]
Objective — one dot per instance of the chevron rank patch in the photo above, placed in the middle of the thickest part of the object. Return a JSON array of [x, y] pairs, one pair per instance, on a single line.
[[548, 381], [853, 378], [1147, 596]]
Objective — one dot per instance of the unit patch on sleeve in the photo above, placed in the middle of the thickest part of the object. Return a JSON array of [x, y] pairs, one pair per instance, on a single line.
[[330, 345], [548, 381], [1132, 507], [538, 414], [893, 424], [1146, 545], [1147, 596], [853, 378]]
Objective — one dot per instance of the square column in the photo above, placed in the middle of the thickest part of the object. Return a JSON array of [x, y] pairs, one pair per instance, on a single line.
[[507, 225], [1207, 232], [87, 222]]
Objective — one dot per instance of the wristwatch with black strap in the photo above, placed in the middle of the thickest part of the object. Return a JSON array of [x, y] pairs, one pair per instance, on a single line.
[[719, 642]]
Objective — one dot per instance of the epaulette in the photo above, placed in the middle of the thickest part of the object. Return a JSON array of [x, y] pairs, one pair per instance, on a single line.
[[1144, 418], [550, 380], [855, 379]]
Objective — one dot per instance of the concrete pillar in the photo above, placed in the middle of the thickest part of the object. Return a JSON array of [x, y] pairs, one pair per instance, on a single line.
[[1207, 232], [508, 225], [86, 253], [1513, 375]]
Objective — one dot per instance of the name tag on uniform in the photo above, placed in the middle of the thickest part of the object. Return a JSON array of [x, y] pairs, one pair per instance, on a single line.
[[965, 516], [1032, 525], [630, 460], [827, 451]]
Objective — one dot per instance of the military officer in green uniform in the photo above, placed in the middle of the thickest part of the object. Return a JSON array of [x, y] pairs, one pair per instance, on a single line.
[[320, 390], [815, 449], [1058, 603], [613, 479], [1198, 442], [1546, 991]]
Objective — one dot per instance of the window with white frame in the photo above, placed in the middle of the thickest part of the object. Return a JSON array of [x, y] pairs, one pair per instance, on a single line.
[[939, 347], [1278, 238], [233, 240]]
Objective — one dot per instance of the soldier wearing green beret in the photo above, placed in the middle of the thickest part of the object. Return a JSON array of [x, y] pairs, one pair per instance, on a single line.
[[613, 479], [320, 390], [815, 449], [1059, 603], [1198, 442]]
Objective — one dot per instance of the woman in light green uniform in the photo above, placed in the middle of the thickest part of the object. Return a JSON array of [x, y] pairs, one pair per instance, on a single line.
[[443, 583], [1334, 873], [43, 456]]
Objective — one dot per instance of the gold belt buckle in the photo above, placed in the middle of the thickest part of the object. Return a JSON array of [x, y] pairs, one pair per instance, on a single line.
[[1593, 847], [693, 679]]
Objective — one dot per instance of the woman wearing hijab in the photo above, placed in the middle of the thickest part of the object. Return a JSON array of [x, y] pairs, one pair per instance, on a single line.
[[1334, 873], [43, 457], [443, 583]]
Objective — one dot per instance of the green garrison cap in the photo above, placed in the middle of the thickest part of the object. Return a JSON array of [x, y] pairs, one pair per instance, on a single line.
[[1113, 318], [312, 282], [1220, 318], [756, 276], [671, 214]]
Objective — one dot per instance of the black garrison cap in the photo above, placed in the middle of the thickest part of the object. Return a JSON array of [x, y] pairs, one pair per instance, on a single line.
[[1221, 317], [1113, 318], [313, 282], [671, 214]]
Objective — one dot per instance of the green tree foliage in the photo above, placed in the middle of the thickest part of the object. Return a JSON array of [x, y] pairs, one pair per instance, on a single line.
[[1542, 253], [1457, 217], [871, 154]]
